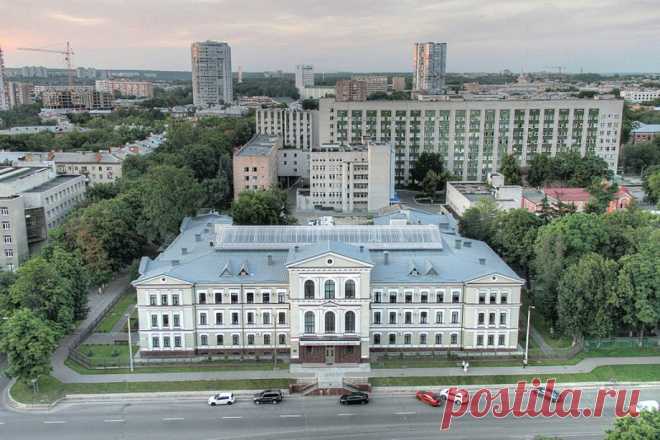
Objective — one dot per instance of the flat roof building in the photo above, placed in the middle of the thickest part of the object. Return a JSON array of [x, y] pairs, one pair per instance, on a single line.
[[255, 164]]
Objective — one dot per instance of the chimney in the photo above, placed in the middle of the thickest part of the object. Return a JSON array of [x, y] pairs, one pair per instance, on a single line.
[[458, 243], [211, 243], [482, 261], [295, 249], [51, 155], [386, 256], [198, 237], [184, 251], [270, 260], [98, 156]]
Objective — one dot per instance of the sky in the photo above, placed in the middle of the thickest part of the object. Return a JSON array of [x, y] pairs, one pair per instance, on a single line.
[[339, 35]]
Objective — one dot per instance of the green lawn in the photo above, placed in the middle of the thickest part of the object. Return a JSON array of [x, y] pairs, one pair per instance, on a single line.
[[113, 316], [640, 373], [180, 368], [106, 355], [51, 389]]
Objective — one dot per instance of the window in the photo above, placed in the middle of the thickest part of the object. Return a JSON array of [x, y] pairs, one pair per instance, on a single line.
[[392, 297], [154, 320], [376, 339], [266, 318], [281, 318], [424, 298], [281, 339], [152, 300], [502, 318], [377, 318], [166, 320], [218, 297], [250, 297], [392, 317], [424, 317], [309, 289], [163, 300], [503, 298], [177, 341], [409, 297], [166, 342], [349, 322], [7, 239], [155, 342], [408, 318], [5, 226], [202, 318], [266, 339], [218, 318], [491, 319], [500, 340], [219, 340], [378, 297], [491, 340], [392, 338], [493, 297], [204, 340], [456, 297], [329, 289], [175, 300], [349, 289], [439, 297], [422, 339], [329, 322], [480, 340], [454, 338], [234, 298], [250, 339], [481, 319], [4, 210], [250, 318], [234, 318], [438, 339], [407, 339], [309, 322], [234, 340], [265, 298], [176, 320], [482, 298], [454, 317], [281, 297], [202, 298]]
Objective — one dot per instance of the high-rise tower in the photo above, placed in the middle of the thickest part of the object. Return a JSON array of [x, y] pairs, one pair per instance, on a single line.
[[211, 73], [430, 61]]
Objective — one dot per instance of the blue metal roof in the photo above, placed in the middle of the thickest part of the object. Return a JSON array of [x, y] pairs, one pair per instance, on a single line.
[[646, 128]]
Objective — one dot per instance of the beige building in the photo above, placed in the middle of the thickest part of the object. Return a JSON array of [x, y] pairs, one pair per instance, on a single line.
[[375, 83], [351, 90], [398, 83], [464, 195], [20, 93], [139, 89], [255, 164], [298, 128], [99, 167], [78, 98]]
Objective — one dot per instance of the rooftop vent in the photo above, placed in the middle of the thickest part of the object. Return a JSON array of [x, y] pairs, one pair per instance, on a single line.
[[211, 243], [459, 243], [361, 248], [482, 261], [175, 262], [295, 249], [270, 260], [386, 256], [198, 237], [468, 244], [184, 251]]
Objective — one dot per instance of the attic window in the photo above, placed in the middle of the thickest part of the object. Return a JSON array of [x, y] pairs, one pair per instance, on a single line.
[[329, 261], [243, 272]]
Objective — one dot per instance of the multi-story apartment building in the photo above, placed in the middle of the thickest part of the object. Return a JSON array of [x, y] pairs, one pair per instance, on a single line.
[[139, 89], [472, 136], [351, 90], [99, 167], [33, 200], [398, 83], [332, 295], [317, 92], [639, 96], [375, 83], [297, 128], [430, 66], [255, 164], [19, 93], [350, 178], [211, 74], [304, 76], [78, 98], [644, 132]]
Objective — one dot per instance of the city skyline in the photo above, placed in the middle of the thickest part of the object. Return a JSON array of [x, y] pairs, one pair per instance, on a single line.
[[371, 36]]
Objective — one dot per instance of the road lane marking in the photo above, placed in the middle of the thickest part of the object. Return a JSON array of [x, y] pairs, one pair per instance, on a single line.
[[172, 419], [52, 422], [113, 420], [232, 417], [405, 413], [290, 415], [344, 414]]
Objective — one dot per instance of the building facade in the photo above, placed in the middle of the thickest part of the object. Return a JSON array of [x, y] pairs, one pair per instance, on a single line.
[[351, 90], [640, 96], [304, 76], [78, 98], [255, 164], [99, 167], [19, 93], [644, 133], [297, 128], [139, 89], [211, 74], [375, 83], [472, 136], [430, 66], [336, 295], [398, 83], [4, 96], [318, 92]]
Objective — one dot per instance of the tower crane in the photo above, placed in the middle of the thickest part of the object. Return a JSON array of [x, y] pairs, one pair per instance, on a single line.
[[68, 58]]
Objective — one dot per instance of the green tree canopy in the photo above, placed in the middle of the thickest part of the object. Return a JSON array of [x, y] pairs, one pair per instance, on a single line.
[[644, 427], [539, 170], [426, 162], [510, 170], [261, 208], [479, 221]]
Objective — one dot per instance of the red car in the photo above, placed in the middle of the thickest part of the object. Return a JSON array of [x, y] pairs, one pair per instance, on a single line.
[[429, 397]]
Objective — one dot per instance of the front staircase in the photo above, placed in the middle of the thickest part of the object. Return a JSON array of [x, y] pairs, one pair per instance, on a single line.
[[323, 380]]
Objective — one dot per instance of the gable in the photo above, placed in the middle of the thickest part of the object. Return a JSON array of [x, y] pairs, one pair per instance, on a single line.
[[329, 260], [160, 280], [495, 278]]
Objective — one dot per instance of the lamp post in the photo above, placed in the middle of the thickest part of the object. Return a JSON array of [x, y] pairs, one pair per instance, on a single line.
[[529, 315], [130, 343]]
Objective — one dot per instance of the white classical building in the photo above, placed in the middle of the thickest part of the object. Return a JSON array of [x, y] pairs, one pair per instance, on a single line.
[[334, 295]]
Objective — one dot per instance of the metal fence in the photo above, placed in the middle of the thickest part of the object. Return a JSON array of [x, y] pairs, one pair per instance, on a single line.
[[597, 344]]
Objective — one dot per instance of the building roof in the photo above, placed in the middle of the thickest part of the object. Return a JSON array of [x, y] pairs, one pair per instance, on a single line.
[[646, 128], [259, 145], [57, 181], [11, 174], [297, 254], [474, 191], [86, 157], [568, 194], [396, 214]]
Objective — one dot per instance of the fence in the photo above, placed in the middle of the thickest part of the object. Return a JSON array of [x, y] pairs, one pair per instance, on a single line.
[[603, 344], [84, 333]]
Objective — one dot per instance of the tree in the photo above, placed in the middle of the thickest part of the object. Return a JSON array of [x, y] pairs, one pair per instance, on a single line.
[[515, 234], [637, 157], [168, 195], [587, 297], [310, 104], [426, 162], [434, 182], [540, 170], [645, 426], [261, 208], [6, 281], [102, 191], [651, 184], [29, 342], [601, 194], [69, 264], [479, 221], [510, 170]]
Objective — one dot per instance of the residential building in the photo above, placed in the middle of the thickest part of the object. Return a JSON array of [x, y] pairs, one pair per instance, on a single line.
[[351, 90], [462, 196], [304, 77], [95, 167], [33, 200], [472, 136], [317, 92], [398, 83], [375, 83], [86, 73], [644, 133], [337, 295], [355, 178], [78, 98], [139, 89], [430, 66], [297, 128], [257, 102], [640, 96], [577, 197], [4, 97], [255, 164], [20, 93], [211, 73], [292, 165]]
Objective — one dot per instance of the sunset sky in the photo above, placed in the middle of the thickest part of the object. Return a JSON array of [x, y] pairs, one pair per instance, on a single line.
[[356, 35]]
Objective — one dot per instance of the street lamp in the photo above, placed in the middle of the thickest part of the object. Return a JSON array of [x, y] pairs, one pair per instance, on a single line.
[[130, 343], [529, 315]]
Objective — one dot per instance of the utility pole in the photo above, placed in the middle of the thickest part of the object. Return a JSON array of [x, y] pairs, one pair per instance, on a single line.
[[130, 343], [529, 315]]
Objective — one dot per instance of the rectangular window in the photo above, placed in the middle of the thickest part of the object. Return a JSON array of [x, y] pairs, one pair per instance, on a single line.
[[438, 339], [250, 318], [234, 340], [409, 298], [502, 318], [204, 340], [250, 339], [439, 317], [454, 317], [424, 298], [175, 300], [439, 297], [218, 318], [491, 319], [250, 298], [281, 297], [177, 341], [493, 297], [153, 300], [392, 338], [407, 339], [155, 342], [176, 320], [503, 298], [266, 339], [482, 298], [422, 339], [5, 226], [234, 318], [202, 319], [265, 298], [219, 340], [281, 318], [378, 297], [491, 340], [392, 317], [456, 297], [376, 339], [454, 338], [376, 317], [163, 300], [4, 210], [234, 298], [154, 321], [266, 318], [166, 342], [481, 320], [408, 318], [480, 340], [166, 320], [281, 339], [423, 317], [202, 298], [392, 298], [218, 297], [500, 340], [7, 239]]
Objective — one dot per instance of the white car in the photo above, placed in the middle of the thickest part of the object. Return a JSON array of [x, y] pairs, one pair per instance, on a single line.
[[453, 397], [222, 399], [648, 405]]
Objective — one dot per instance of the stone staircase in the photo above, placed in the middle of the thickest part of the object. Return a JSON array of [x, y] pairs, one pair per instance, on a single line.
[[330, 380]]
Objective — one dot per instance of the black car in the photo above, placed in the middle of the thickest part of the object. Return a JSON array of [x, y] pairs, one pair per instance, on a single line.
[[546, 393], [355, 398], [268, 396]]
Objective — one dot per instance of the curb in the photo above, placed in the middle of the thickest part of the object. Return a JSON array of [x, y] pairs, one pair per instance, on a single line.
[[25, 407]]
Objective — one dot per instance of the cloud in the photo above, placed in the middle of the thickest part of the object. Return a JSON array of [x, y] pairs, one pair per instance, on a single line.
[[83, 21]]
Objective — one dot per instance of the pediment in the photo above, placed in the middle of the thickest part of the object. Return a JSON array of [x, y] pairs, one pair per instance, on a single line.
[[329, 260], [495, 278], [160, 280]]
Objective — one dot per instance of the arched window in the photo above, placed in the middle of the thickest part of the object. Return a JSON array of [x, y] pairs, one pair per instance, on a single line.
[[309, 289], [329, 289], [349, 289], [309, 322], [349, 322], [329, 322]]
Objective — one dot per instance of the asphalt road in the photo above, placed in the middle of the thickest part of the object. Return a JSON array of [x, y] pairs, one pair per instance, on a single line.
[[318, 418]]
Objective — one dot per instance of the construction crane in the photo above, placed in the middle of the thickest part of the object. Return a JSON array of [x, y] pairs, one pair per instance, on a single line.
[[68, 58], [560, 69]]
